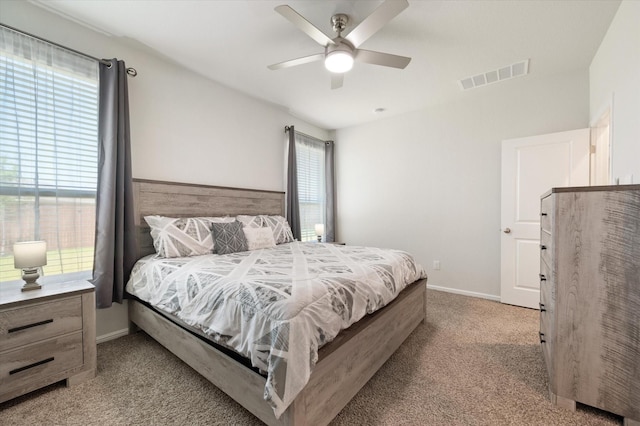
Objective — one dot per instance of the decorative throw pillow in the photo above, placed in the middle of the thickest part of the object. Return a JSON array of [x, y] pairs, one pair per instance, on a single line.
[[228, 237], [250, 221], [281, 229], [259, 238], [182, 237], [279, 225]]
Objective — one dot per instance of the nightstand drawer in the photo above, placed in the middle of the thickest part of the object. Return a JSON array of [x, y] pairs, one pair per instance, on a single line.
[[40, 321], [21, 367]]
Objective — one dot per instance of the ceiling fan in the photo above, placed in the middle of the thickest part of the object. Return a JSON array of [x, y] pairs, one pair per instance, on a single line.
[[341, 52]]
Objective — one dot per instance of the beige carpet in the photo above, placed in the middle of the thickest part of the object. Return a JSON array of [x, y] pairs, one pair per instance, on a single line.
[[475, 362]]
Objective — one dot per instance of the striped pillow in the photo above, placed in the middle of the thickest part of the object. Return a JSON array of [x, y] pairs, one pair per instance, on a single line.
[[278, 224], [183, 237]]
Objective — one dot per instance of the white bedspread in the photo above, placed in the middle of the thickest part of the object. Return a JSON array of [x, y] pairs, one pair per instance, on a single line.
[[276, 306]]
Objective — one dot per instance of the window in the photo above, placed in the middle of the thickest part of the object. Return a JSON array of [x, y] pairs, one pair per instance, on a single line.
[[48, 153], [310, 158]]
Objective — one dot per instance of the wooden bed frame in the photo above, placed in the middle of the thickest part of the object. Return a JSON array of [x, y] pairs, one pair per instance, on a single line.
[[344, 365]]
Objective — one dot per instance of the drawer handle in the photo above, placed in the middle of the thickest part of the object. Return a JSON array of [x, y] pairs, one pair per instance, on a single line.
[[543, 247], [542, 337], [24, 327], [542, 308], [35, 364], [543, 214], [542, 277]]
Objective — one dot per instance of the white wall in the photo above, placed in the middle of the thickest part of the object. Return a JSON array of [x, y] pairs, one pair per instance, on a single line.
[[429, 181], [614, 78], [184, 127]]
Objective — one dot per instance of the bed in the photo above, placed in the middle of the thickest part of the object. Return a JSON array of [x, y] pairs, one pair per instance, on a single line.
[[343, 365]]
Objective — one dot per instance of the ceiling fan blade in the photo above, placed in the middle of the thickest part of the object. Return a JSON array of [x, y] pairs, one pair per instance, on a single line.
[[384, 59], [298, 61], [372, 23], [336, 81], [307, 27]]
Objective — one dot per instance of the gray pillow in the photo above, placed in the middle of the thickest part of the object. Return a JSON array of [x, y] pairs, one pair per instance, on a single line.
[[228, 237]]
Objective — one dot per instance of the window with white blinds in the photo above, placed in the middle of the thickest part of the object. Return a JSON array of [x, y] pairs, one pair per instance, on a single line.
[[48, 153], [310, 161]]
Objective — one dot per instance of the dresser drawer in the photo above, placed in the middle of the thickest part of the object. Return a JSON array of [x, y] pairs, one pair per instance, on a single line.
[[546, 207], [21, 367], [29, 324], [546, 247], [547, 296], [546, 344], [547, 324]]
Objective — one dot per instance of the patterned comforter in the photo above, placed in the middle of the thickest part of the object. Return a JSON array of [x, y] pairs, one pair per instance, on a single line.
[[276, 306]]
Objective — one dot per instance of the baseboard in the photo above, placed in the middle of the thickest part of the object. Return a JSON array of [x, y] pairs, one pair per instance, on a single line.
[[113, 335], [464, 292]]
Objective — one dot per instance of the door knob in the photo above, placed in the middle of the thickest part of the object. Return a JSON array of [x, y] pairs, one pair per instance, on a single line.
[[507, 231]]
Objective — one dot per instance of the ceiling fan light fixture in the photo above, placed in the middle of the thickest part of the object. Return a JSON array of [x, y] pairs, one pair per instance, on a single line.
[[339, 61]]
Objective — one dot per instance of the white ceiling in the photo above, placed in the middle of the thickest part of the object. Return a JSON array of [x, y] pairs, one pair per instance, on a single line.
[[232, 42]]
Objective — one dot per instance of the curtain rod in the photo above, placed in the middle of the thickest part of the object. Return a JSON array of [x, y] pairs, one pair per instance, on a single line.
[[130, 71], [287, 128]]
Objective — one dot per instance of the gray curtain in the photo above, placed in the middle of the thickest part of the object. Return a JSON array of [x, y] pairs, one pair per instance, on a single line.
[[114, 243], [329, 175], [293, 204]]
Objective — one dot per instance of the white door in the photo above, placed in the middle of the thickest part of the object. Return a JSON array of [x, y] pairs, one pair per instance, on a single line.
[[530, 167]]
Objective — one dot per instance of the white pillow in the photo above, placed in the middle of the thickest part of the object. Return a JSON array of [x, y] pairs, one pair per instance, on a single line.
[[259, 238]]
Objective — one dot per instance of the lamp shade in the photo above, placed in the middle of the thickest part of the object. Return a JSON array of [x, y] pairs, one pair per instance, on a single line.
[[339, 61], [319, 229], [29, 254]]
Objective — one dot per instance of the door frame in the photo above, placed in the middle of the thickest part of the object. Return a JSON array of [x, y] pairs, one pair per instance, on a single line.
[[607, 107]]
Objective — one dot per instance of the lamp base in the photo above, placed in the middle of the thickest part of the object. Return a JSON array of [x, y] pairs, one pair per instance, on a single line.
[[33, 286], [319, 238], [30, 276]]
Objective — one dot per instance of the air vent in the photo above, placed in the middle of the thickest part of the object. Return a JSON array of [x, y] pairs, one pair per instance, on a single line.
[[505, 73]]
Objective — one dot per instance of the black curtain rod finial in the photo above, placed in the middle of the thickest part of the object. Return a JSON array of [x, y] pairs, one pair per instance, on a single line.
[[130, 71]]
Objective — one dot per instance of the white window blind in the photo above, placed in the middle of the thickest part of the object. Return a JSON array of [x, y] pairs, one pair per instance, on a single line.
[[310, 161], [48, 152]]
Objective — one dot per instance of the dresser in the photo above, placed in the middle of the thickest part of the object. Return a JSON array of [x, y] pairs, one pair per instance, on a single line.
[[590, 297], [46, 336]]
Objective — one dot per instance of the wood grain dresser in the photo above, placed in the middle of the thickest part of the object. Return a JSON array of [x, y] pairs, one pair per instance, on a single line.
[[590, 297], [46, 336]]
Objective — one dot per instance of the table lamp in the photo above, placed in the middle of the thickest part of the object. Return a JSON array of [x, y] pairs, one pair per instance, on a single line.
[[29, 256], [319, 231]]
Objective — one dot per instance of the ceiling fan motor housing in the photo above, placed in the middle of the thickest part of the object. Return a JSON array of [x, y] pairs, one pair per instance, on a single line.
[[340, 45]]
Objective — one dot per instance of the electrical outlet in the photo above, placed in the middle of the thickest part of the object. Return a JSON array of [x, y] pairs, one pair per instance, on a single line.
[[436, 265]]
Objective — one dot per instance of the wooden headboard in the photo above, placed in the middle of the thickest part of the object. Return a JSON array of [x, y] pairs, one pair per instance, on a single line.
[[172, 199]]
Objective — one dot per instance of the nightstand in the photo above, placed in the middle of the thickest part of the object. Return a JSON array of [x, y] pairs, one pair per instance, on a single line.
[[46, 336]]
